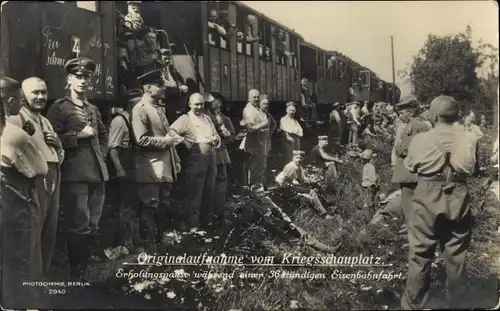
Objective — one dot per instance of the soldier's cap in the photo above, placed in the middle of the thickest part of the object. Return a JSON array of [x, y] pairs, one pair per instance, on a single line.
[[151, 77], [80, 65], [134, 95], [299, 152], [336, 104], [290, 104], [218, 96], [322, 138], [445, 107], [408, 102], [208, 98], [367, 154], [133, 2]]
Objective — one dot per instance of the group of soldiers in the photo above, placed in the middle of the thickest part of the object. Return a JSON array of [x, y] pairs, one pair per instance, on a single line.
[[70, 154]]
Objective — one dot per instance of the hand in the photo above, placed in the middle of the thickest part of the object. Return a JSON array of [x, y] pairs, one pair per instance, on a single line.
[[52, 139], [242, 123], [29, 128], [87, 131], [225, 132], [187, 144], [120, 172], [178, 167], [183, 88]]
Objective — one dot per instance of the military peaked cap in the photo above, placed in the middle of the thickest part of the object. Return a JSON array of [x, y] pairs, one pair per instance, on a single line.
[[322, 138], [219, 96], [299, 152], [290, 104], [80, 65], [208, 98], [408, 102], [133, 2], [134, 94], [152, 77]]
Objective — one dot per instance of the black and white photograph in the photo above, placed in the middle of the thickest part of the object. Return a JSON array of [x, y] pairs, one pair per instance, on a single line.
[[249, 155]]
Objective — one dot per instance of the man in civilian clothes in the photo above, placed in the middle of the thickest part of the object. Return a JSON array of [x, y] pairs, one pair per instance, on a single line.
[[273, 126], [122, 147], [257, 125], [226, 132], [21, 164], [48, 143], [198, 176], [85, 140], [157, 162], [409, 127]]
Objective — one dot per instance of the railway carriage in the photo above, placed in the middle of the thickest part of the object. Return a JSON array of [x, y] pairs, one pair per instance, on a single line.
[[222, 46]]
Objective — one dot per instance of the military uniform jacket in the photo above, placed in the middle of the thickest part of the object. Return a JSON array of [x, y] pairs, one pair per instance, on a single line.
[[84, 157], [401, 175], [155, 160]]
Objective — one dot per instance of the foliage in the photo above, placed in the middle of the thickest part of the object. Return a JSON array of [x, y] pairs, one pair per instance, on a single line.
[[450, 65], [248, 236]]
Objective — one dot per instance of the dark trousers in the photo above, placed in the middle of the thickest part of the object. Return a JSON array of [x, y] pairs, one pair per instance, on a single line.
[[220, 190], [198, 174], [82, 203], [256, 166], [437, 216], [48, 190], [154, 204], [407, 190], [21, 260]]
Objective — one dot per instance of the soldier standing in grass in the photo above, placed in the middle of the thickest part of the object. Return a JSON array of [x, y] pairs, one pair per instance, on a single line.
[[85, 141], [442, 158], [407, 129], [370, 180]]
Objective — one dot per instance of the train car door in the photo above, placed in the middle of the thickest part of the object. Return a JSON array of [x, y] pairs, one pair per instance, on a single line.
[[39, 37]]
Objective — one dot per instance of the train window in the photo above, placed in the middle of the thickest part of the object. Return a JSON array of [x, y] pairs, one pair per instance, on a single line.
[[249, 49], [223, 43], [239, 45], [261, 50], [87, 5]]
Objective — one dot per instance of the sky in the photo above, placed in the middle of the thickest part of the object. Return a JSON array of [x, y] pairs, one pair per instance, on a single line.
[[362, 29]]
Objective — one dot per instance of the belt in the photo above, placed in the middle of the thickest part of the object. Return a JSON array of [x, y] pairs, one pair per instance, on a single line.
[[457, 178]]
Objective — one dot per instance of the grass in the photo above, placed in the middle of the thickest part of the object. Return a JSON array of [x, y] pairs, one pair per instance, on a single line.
[[245, 235]]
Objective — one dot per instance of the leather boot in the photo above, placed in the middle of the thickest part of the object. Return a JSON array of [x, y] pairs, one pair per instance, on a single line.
[[78, 255]]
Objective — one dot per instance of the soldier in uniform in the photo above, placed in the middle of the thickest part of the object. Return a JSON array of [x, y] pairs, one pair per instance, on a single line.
[[20, 213], [198, 176], [409, 127], [273, 126], [85, 141], [157, 162], [442, 158], [226, 131], [121, 164], [257, 125], [48, 143], [338, 125]]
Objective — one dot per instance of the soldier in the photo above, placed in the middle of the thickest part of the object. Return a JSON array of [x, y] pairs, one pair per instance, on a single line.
[[321, 158], [442, 158], [257, 125], [293, 177], [337, 127], [48, 143], [273, 126], [198, 177], [157, 162], [292, 133], [21, 164], [85, 141], [121, 164], [354, 122], [409, 127], [226, 131]]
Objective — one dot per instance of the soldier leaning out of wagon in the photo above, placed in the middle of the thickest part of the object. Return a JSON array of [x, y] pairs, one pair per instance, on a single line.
[[199, 172], [121, 166], [321, 158], [226, 132], [293, 177], [84, 173], [157, 162], [292, 133]]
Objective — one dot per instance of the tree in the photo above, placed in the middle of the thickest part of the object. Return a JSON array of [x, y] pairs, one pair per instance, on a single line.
[[449, 65]]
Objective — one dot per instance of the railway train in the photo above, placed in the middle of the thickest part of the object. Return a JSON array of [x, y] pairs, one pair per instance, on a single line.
[[222, 46]]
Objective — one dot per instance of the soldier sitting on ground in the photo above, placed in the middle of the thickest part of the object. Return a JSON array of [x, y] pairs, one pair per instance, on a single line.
[[293, 177], [277, 221], [322, 159]]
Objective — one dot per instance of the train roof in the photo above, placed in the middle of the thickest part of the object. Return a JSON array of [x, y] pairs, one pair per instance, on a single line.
[[261, 15], [311, 45]]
